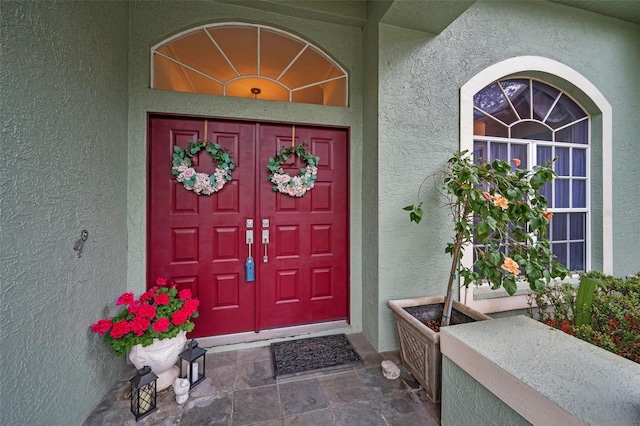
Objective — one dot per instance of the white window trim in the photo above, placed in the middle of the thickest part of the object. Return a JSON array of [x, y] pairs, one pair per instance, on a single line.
[[523, 64]]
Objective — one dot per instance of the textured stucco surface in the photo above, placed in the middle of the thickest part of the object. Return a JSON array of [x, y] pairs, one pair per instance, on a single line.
[[63, 80], [420, 75], [465, 401], [546, 376], [152, 22]]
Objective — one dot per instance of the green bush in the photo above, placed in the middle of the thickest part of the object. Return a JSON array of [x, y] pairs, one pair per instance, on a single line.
[[615, 313]]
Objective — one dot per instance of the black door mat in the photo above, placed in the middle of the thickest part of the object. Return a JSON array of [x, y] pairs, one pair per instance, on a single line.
[[304, 356]]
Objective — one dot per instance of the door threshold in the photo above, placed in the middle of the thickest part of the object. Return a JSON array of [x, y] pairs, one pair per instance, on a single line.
[[229, 342]]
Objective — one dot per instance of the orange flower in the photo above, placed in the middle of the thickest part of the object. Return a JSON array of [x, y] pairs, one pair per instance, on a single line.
[[510, 265], [547, 214], [516, 161], [500, 201]]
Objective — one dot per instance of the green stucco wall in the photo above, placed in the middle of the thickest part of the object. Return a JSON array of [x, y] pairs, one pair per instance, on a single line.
[[420, 75], [153, 22], [63, 85], [467, 402]]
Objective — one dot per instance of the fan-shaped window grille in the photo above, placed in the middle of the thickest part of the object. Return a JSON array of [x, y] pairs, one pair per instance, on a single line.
[[248, 61]]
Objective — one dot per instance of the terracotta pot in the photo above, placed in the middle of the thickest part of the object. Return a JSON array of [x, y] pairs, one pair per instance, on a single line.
[[419, 345], [161, 356]]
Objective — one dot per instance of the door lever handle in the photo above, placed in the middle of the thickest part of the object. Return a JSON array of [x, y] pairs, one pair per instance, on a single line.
[[265, 242]]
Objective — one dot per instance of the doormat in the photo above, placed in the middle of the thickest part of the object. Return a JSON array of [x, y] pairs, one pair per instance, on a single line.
[[304, 356]]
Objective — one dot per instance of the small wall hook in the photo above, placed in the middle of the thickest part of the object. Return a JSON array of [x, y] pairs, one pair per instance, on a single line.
[[80, 243]]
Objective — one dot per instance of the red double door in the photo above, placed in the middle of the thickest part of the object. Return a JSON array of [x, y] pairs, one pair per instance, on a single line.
[[200, 242]]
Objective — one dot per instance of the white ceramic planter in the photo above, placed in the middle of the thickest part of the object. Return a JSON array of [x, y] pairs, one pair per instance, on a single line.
[[161, 356], [419, 345]]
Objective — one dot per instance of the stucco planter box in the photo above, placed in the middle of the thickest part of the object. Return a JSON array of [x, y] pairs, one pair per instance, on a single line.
[[419, 345]]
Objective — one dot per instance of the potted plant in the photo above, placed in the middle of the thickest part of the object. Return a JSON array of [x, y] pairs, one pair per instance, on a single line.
[[500, 214], [152, 328]]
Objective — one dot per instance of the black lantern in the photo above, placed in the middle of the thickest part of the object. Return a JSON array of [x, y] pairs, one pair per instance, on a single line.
[[143, 392], [192, 363]]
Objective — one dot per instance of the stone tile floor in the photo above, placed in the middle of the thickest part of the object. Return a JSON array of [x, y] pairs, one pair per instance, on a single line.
[[240, 389]]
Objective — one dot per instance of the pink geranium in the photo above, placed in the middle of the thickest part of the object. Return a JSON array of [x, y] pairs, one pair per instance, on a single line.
[[161, 325], [159, 313]]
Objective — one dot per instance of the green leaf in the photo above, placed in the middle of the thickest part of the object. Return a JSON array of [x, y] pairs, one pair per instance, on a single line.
[[510, 286], [408, 208], [177, 149]]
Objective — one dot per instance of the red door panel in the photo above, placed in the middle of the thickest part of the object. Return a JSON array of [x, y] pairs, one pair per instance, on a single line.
[[199, 241], [305, 277]]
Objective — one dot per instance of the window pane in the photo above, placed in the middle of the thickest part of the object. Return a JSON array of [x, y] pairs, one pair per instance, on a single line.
[[559, 227], [531, 130], [579, 162], [498, 151], [576, 261], [544, 153], [577, 226], [562, 163], [479, 152], [518, 93], [579, 194], [576, 133], [486, 126], [560, 251], [566, 111], [543, 98], [520, 152], [561, 195]]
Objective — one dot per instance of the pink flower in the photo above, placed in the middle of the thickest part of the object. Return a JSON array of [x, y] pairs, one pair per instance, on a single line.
[[161, 299], [146, 311], [161, 325], [139, 325], [125, 299], [191, 306], [179, 317], [161, 281], [184, 294], [101, 326], [486, 195], [119, 329]]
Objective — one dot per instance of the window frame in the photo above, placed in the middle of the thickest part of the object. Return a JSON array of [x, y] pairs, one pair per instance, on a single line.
[[481, 297]]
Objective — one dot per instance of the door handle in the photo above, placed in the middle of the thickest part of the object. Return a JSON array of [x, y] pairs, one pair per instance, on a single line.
[[265, 239], [265, 243]]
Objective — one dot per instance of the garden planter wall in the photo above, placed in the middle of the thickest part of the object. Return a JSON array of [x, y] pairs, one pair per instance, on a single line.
[[419, 345]]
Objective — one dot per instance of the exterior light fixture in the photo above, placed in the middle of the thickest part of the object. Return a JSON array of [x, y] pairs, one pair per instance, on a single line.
[[192, 363], [143, 392]]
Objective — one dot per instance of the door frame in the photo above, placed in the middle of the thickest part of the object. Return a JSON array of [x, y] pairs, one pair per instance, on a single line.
[[266, 333]]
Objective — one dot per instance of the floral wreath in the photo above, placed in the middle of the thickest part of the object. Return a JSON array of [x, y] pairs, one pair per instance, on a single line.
[[202, 183], [295, 186]]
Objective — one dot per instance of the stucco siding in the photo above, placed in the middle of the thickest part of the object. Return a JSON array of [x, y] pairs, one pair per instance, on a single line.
[[420, 78], [63, 81]]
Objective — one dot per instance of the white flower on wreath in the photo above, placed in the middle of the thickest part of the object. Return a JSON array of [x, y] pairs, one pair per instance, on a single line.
[[295, 186], [203, 184]]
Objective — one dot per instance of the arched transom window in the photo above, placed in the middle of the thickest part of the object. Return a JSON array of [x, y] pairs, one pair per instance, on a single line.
[[248, 61], [535, 122]]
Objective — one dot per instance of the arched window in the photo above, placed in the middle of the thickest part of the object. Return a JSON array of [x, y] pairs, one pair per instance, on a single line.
[[534, 122], [248, 61], [534, 108]]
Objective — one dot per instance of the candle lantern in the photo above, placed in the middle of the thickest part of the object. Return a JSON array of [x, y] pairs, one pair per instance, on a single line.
[[192, 363], [143, 392]]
